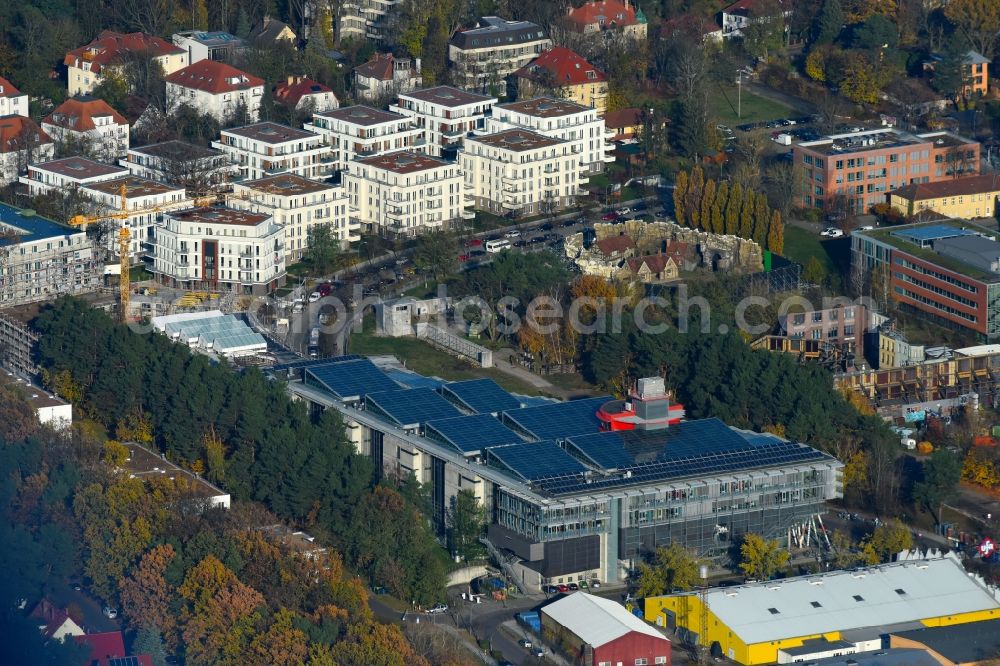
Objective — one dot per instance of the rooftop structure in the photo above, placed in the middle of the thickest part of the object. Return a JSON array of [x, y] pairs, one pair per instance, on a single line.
[[81, 168], [448, 97], [297, 91], [495, 32], [752, 622], [553, 479], [176, 150], [86, 65], [609, 17], [219, 215], [134, 187], [544, 107], [404, 162], [143, 464], [21, 143], [223, 335], [269, 132], [969, 197], [49, 408], [974, 642], [203, 45], [596, 620], [385, 75], [363, 115], [214, 77], [517, 140], [215, 88]]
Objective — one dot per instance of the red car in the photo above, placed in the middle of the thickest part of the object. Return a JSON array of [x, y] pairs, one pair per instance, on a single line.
[[473, 242], [464, 257], [563, 588], [324, 289], [610, 217]]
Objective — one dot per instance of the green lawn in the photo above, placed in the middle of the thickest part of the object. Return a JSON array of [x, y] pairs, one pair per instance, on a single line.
[[425, 359], [801, 244], [753, 107]]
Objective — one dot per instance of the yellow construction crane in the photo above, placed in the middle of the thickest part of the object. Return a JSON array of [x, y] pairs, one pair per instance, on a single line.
[[124, 243]]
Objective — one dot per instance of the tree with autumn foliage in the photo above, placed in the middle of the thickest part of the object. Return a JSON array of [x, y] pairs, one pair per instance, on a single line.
[[376, 644], [978, 21], [146, 595], [680, 197], [776, 234]]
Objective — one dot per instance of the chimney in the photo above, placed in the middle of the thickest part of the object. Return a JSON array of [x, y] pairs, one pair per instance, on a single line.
[[267, 19], [417, 63], [290, 80]]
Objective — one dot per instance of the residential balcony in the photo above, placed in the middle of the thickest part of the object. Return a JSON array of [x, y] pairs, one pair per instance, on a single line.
[[468, 215], [607, 159]]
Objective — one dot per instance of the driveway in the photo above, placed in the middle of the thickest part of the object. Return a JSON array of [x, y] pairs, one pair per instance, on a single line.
[[62, 595]]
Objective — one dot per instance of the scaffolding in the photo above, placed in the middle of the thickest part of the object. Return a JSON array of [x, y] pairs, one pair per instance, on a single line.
[[17, 346], [456, 344]]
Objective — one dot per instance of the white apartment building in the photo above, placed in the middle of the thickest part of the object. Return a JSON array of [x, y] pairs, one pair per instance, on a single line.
[[220, 249], [21, 143], [298, 204], [366, 19], [42, 259], [87, 65], [520, 172], [361, 131], [197, 169], [406, 193], [265, 149], [148, 198], [12, 102], [445, 115], [483, 57], [88, 126], [560, 119], [68, 173], [216, 88]]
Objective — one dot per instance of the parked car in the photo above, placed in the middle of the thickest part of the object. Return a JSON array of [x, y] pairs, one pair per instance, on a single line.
[[867, 227], [315, 296], [551, 589], [831, 232], [525, 643], [574, 587], [324, 289], [610, 217], [514, 233], [440, 608], [563, 588], [110, 613], [547, 227], [624, 211], [538, 652], [473, 242], [595, 583]]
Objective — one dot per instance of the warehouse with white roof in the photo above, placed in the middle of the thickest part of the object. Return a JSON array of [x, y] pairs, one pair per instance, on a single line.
[[594, 630], [757, 623], [212, 332]]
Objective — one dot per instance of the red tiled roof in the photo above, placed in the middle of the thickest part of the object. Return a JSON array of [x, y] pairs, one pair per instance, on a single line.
[[605, 13], [656, 263], [379, 67], [291, 91], [213, 77], [13, 129], [566, 67], [50, 615], [949, 188], [111, 45], [7, 89], [103, 646], [78, 114], [622, 118], [609, 246]]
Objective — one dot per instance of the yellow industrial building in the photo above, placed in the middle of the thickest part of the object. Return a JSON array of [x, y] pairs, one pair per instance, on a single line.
[[829, 614]]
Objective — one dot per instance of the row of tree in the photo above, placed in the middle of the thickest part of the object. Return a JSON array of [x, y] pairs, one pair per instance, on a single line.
[[243, 432], [721, 209]]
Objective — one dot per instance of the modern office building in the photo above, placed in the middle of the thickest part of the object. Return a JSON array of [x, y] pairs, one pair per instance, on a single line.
[[42, 260], [265, 149], [405, 194], [852, 172], [219, 249], [520, 172], [573, 490], [298, 204], [564, 73], [846, 611], [562, 119], [360, 131], [970, 197], [199, 170], [484, 56], [444, 115], [948, 271], [215, 88]]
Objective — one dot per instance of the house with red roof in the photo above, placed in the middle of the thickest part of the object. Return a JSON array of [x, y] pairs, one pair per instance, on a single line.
[[12, 102], [108, 649], [568, 75], [386, 75], [615, 247], [298, 92], [215, 88], [86, 66], [88, 126], [21, 143], [608, 17], [54, 622]]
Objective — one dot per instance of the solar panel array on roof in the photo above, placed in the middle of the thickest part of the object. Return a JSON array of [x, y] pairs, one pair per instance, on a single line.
[[124, 661], [471, 434], [605, 450], [555, 421], [411, 407], [483, 396], [350, 379], [308, 362], [535, 460], [413, 380]]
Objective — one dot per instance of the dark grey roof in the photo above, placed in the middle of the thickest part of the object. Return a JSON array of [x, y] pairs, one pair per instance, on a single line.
[[896, 657], [178, 150], [269, 31], [960, 643], [976, 251], [814, 645], [495, 31]]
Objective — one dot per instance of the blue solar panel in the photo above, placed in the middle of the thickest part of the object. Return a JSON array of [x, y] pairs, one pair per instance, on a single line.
[[413, 380], [309, 362], [124, 661], [482, 396], [471, 434], [931, 232], [410, 407], [559, 420], [350, 379], [535, 460], [605, 450]]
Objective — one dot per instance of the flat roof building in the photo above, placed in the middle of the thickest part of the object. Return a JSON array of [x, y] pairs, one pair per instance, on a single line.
[[198, 169], [444, 115], [145, 464], [852, 172], [358, 131], [266, 149], [484, 56], [566, 499], [949, 271], [751, 623], [971, 643], [211, 332], [50, 409]]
